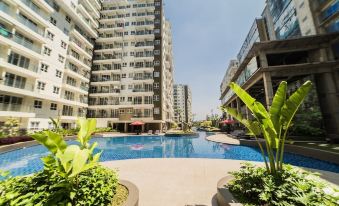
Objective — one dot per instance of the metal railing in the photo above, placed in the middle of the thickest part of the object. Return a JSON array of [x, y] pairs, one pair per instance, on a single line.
[[35, 8], [15, 108]]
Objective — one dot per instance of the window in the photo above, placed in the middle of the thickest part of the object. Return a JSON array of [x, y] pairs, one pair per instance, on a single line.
[[156, 110], [35, 125], [37, 104], [156, 85], [305, 18], [53, 21], [156, 74], [157, 31], [123, 76], [157, 42], [41, 86], [47, 51], [61, 59], [58, 73], [18, 60], [157, 4], [156, 98], [54, 106], [50, 35], [157, 63], [44, 67], [56, 90], [63, 45], [68, 19], [129, 99], [156, 52]]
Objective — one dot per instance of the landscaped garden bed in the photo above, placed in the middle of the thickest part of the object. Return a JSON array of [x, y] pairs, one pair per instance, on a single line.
[[276, 183], [71, 175]]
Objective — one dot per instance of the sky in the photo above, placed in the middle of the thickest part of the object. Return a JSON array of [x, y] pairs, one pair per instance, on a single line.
[[207, 34]]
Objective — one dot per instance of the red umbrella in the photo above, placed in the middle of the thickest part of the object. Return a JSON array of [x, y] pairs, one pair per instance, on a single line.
[[227, 121], [137, 123]]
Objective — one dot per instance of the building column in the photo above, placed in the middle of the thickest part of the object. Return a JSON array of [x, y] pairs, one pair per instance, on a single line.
[[329, 101], [125, 128], [268, 88], [142, 128], [160, 128]]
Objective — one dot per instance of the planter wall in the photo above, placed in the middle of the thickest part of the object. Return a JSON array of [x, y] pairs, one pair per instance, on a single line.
[[12, 140], [224, 196], [133, 193]]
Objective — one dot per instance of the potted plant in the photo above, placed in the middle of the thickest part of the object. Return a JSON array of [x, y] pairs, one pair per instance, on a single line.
[[71, 175], [276, 183]]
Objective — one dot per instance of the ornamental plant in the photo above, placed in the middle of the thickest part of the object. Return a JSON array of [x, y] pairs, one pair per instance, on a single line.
[[71, 175], [272, 124]]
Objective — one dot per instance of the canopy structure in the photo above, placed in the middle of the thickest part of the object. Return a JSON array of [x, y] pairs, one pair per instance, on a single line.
[[137, 123]]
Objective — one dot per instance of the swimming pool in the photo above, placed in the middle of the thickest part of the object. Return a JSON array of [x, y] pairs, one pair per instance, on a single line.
[[27, 160]]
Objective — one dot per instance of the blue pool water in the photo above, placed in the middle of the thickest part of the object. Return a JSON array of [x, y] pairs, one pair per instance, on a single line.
[[27, 160]]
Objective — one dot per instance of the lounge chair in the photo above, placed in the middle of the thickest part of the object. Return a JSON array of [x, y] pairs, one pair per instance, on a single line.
[[150, 132], [157, 132]]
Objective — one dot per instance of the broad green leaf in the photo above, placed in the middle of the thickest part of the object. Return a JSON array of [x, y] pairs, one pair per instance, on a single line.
[[51, 140], [87, 128], [293, 103], [79, 162], [277, 103], [243, 95]]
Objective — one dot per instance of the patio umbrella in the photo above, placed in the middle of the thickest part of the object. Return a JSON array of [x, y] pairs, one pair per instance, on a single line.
[[227, 121], [137, 123]]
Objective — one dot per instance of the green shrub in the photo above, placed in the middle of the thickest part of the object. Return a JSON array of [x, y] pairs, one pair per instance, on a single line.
[[71, 175], [95, 186], [104, 129], [290, 186]]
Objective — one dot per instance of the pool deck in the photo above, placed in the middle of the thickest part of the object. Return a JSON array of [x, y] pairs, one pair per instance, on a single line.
[[181, 182], [223, 138]]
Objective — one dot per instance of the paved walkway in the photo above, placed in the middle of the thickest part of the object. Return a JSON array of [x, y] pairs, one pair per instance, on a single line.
[[223, 138], [179, 182]]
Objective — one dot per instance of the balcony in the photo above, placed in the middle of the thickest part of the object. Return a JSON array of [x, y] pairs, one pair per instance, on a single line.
[[111, 91], [16, 110], [36, 9], [30, 25], [19, 85], [142, 90], [85, 88]]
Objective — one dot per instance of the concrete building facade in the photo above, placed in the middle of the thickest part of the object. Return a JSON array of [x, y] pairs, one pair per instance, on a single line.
[[300, 48], [132, 76], [182, 103], [110, 60], [45, 60]]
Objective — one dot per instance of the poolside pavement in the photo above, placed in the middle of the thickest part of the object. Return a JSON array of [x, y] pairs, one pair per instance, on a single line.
[[180, 182]]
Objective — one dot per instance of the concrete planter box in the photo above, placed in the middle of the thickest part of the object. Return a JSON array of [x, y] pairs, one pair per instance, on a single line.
[[133, 193], [224, 196]]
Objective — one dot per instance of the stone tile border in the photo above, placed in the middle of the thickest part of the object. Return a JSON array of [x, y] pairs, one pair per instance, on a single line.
[[133, 193], [223, 138]]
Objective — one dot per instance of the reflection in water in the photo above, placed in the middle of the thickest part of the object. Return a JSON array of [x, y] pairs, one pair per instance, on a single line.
[[26, 161], [146, 147]]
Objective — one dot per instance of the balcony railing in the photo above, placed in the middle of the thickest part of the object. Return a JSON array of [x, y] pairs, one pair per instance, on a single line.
[[85, 88], [30, 25], [142, 90], [19, 85], [15, 108], [27, 44], [35, 8], [5, 33], [112, 91]]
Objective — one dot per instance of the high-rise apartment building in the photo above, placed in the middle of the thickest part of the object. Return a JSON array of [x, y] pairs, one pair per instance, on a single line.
[[132, 76], [46, 60], [46, 51], [182, 103], [293, 41]]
